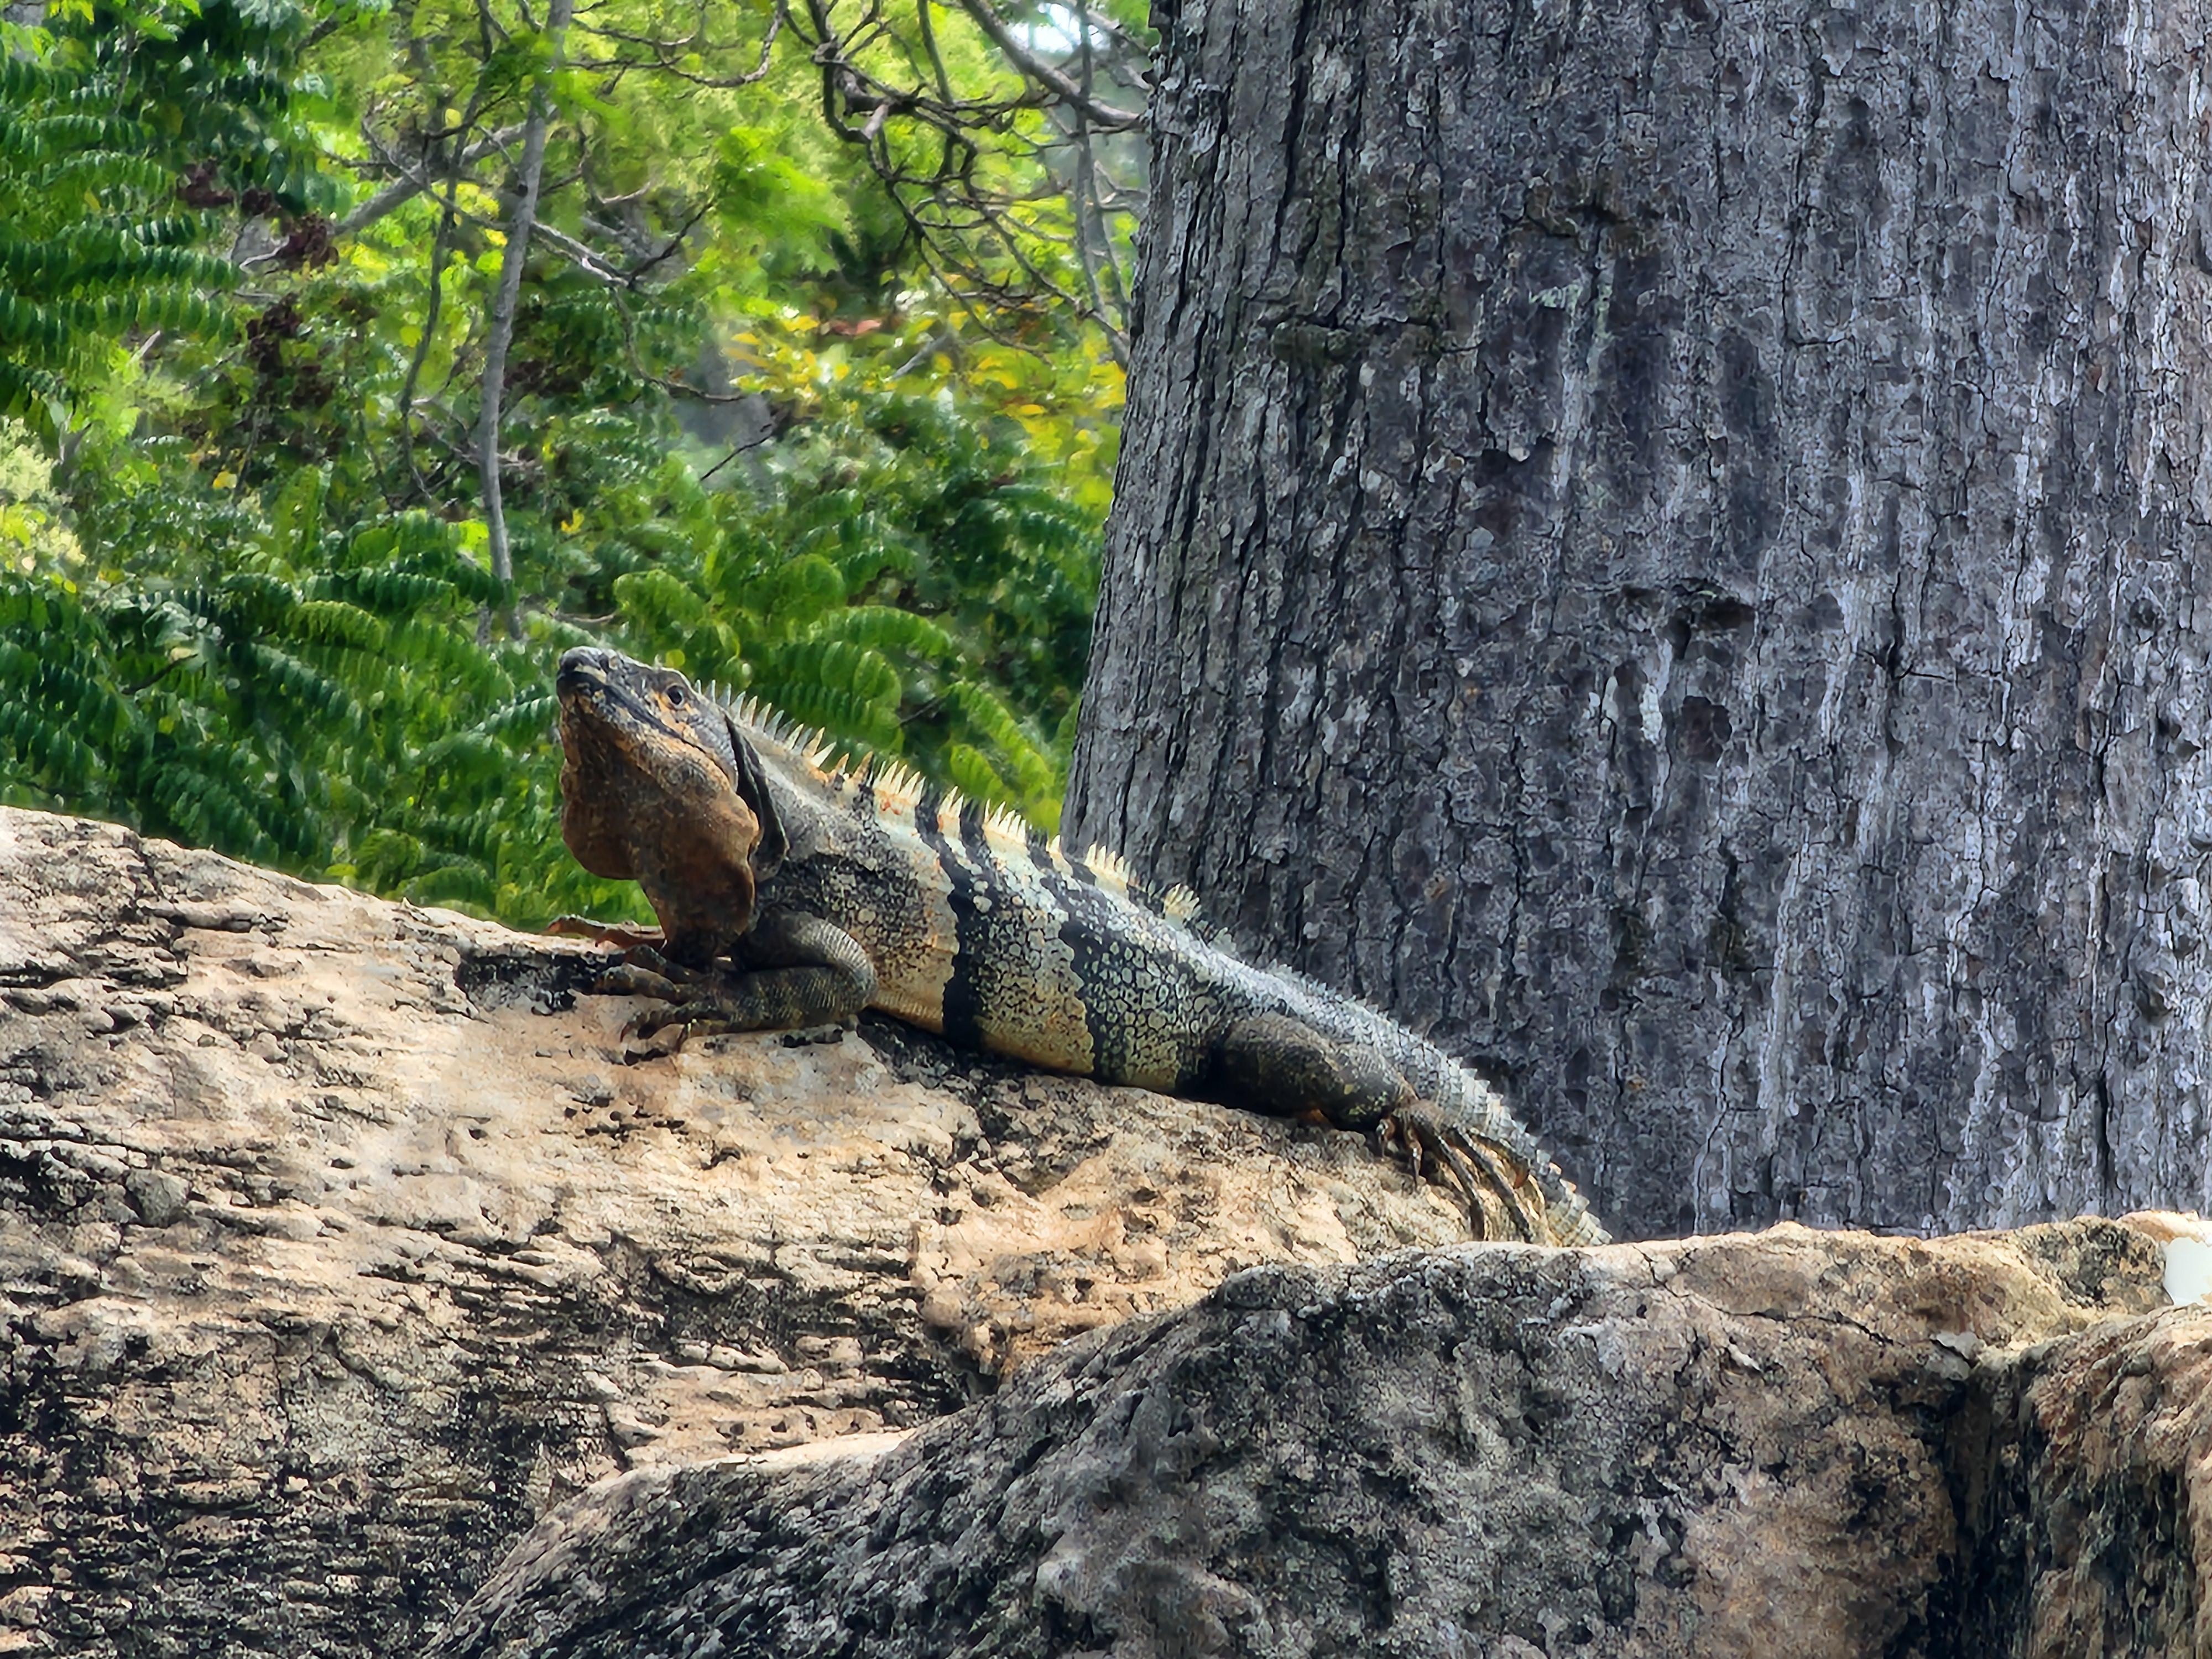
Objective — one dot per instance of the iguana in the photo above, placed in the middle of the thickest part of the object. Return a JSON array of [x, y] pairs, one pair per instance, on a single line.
[[793, 892]]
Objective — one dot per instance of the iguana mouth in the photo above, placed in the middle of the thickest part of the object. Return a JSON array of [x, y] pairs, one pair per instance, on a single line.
[[652, 790]]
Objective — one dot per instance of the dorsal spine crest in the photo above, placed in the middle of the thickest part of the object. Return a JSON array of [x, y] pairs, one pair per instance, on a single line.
[[896, 789]]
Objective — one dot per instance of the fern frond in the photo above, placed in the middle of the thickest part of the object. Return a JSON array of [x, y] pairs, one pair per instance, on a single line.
[[466, 758], [335, 622], [975, 776], [794, 593], [246, 602], [659, 601], [1035, 777], [465, 665], [885, 628], [386, 591], [44, 747], [527, 716], [192, 800], [849, 691], [318, 694]]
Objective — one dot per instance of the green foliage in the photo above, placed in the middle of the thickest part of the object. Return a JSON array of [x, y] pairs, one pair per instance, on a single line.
[[121, 127], [91, 253], [244, 599], [367, 739]]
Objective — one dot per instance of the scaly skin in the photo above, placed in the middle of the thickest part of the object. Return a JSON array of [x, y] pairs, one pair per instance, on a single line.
[[791, 894]]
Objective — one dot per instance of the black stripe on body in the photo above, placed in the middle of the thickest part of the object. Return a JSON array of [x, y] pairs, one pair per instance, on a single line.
[[989, 928], [926, 805], [1080, 915], [1139, 983], [963, 992], [1029, 995]]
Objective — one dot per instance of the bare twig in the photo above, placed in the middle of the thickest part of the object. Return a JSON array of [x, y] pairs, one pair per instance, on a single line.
[[1082, 198], [745, 448], [500, 335], [580, 256], [668, 55], [440, 246], [412, 181], [1068, 91]]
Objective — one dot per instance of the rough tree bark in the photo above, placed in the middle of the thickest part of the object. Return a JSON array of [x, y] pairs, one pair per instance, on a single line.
[[1665, 543]]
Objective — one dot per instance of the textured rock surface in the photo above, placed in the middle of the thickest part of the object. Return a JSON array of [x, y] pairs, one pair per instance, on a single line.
[[336, 1240], [1667, 543], [2085, 1488], [1816, 1445]]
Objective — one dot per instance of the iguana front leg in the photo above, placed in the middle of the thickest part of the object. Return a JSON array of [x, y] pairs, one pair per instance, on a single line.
[[1271, 1063], [622, 935], [795, 969]]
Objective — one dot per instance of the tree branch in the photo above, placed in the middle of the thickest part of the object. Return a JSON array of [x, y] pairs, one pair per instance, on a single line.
[[510, 293], [1106, 115], [409, 184]]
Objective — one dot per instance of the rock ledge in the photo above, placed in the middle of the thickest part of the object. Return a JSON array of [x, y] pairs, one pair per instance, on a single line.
[[1812, 1444], [337, 1241]]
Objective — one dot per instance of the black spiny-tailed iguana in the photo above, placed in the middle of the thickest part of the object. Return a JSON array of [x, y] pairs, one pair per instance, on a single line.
[[793, 893]]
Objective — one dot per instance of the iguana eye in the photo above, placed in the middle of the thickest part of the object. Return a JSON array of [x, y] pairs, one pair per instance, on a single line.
[[675, 694]]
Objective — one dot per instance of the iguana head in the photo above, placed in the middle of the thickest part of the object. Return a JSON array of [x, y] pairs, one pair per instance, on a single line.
[[658, 787]]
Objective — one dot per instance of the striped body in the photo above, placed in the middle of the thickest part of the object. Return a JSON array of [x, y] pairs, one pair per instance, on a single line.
[[791, 892], [982, 930]]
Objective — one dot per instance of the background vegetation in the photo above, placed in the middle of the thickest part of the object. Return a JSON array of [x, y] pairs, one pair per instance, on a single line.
[[356, 359]]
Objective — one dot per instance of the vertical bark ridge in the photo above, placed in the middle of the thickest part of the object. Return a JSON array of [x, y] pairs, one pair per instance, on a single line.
[[1667, 545]]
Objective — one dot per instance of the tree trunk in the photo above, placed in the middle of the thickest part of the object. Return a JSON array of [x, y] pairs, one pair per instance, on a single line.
[[1664, 545]]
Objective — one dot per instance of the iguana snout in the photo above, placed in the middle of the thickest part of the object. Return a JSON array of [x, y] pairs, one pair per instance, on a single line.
[[658, 787]]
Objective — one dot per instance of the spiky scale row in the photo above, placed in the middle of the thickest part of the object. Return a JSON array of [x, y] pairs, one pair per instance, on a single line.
[[795, 886], [897, 786], [981, 928]]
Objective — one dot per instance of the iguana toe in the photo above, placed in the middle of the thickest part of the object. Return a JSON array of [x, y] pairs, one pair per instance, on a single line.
[[1425, 1141], [687, 1019], [628, 980]]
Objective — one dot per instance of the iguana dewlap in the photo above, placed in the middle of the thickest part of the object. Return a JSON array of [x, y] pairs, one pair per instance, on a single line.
[[791, 892]]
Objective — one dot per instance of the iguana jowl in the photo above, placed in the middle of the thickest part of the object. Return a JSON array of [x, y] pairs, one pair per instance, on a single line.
[[791, 892]]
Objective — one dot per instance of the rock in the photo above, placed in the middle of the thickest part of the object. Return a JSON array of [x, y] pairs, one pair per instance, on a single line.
[[338, 1239], [157, 1196], [1801, 1444], [341, 1242]]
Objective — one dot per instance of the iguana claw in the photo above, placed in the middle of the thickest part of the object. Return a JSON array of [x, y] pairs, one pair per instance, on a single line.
[[1420, 1136], [687, 993]]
